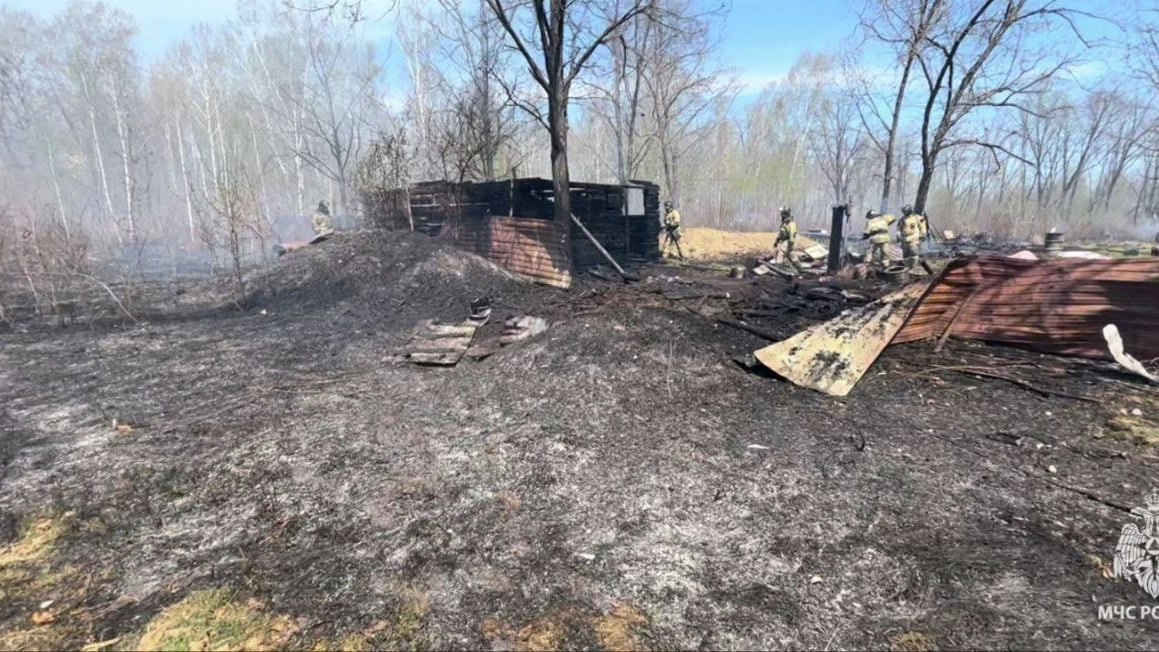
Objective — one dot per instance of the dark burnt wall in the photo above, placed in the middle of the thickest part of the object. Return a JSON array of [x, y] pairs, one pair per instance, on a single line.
[[460, 212]]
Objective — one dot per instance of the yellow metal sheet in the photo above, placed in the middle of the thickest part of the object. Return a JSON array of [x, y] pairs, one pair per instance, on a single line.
[[831, 357]]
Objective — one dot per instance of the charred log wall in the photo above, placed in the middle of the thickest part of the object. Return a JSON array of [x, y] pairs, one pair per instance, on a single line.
[[628, 238], [625, 219]]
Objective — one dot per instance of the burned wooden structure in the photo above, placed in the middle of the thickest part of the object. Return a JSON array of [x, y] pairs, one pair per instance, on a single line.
[[511, 223]]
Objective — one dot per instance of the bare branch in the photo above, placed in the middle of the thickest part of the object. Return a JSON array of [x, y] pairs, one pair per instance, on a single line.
[[537, 73]]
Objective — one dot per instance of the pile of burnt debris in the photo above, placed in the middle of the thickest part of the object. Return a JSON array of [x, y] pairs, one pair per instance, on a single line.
[[1097, 309], [1074, 302]]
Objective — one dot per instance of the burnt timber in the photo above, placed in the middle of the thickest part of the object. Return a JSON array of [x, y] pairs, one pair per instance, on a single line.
[[510, 223]]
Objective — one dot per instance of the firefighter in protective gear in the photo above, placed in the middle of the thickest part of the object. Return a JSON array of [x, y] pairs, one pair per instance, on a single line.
[[877, 232], [673, 229], [913, 229], [321, 219], [787, 234]]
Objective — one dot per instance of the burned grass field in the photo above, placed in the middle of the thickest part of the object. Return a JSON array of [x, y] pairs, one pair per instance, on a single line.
[[275, 478]]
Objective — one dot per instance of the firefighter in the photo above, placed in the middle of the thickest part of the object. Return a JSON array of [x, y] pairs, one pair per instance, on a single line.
[[787, 234], [877, 232], [913, 230], [321, 219], [673, 229]]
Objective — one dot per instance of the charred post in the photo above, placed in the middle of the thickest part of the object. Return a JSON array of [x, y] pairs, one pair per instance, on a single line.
[[837, 238]]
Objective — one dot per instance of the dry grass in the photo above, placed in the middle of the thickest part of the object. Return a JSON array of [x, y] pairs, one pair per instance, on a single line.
[[1102, 566], [618, 630], [25, 577], [404, 629], [1137, 423], [914, 642], [406, 626], [35, 543], [509, 503], [216, 620], [545, 633], [710, 244], [1133, 429]]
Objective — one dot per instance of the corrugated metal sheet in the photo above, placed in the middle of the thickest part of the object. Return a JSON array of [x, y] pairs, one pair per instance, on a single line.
[[527, 247], [531, 248], [1058, 305]]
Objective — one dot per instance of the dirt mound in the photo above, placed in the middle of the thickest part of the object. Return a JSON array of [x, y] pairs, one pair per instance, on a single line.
[[387, 274]]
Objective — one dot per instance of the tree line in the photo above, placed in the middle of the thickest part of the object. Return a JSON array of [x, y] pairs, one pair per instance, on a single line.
[[994, 115]]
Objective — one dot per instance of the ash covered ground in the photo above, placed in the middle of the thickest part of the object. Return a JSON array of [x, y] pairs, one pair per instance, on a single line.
[[617, 481]]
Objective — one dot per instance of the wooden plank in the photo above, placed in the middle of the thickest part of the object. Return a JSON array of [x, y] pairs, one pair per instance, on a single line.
[[441, 344]]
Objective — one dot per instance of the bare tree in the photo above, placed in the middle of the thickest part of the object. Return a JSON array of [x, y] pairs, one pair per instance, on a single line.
[[904, 26], [1131, 125], [1144, 52], [335, 108], [18, 34], [619, 101], [456, 69], [839, 142], [979, 58], [683, 87], [563, 35]]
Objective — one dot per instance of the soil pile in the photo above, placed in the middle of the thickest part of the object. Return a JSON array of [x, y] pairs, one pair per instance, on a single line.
[[378, 270]]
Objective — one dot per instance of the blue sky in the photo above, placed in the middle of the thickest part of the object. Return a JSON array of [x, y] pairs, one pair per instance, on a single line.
[[761, 39], [764, 38], [160, 23]]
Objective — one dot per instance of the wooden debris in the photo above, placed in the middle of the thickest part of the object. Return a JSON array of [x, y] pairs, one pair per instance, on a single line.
[[440, 344], [521, 327], [817, 252], [759, 332]]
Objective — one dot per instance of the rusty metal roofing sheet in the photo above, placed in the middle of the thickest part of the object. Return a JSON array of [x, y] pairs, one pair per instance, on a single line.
[[1058, 305], [529, 248]]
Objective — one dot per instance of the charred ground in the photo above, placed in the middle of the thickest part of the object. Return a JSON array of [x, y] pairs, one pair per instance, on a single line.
[[617, 481]]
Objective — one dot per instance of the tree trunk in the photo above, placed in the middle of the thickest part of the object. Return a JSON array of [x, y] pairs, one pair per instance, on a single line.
[[126, 168], [929, 163], [669, 170], [92, 111], [56, 188], [188, 189], [264, 206], [891, 141], [560, 179]]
